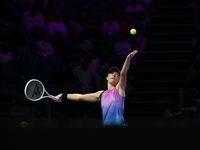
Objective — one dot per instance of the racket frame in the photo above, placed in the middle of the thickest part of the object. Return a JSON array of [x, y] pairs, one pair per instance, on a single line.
[[44, 91]]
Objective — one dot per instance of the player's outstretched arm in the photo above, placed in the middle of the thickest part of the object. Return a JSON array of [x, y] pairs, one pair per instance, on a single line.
[[125, 67], [92, 97]]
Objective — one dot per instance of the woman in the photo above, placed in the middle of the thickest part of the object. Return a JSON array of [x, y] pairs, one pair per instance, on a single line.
[[43, 46], [57, 25], [112, 100]]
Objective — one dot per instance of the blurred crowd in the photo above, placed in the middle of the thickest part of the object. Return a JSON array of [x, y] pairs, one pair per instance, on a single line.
[[68, 45]]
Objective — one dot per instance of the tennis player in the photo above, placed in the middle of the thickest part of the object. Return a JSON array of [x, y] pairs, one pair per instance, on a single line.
[[112, 100]]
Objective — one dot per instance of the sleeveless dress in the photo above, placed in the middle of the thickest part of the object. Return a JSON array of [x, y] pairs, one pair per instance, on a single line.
[[112, 105]]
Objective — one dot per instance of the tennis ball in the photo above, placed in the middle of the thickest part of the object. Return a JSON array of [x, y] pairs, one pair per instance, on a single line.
[[133, 31]]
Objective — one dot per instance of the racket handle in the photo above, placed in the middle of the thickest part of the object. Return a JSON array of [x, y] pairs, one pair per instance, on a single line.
[[53, 97]]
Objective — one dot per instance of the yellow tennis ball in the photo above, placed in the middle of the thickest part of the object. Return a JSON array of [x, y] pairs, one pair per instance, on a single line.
[[133, 31]]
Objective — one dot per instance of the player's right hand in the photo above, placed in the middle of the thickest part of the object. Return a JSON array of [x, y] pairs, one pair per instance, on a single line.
[[59, 98]]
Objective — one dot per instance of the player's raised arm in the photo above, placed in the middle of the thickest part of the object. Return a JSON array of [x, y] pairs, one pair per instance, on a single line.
[[92, 97], [123, 73]]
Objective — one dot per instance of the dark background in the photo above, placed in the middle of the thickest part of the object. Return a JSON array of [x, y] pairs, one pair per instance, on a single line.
[[158, 82]]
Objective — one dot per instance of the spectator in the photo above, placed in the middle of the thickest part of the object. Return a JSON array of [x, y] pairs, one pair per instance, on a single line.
[[59, 45], [49, 8], [76, 54], [85, 76], [71, 15], [111, 26], [150, 5], [104, 46], [192, 94], [193, 84], [128, 24], [64, 77], [41, 7], [83, 15], [140, 40], [122, 47], [102, 82], [77, 20], [139, 14], [193, 78], [73, 27], [57, 24], [84, 45], [5, 56], [131, 6], [16, 37], [43, 46], [93, 27], [33, 18], [117, 13], [11, 18], [98, 63], [139, 9]]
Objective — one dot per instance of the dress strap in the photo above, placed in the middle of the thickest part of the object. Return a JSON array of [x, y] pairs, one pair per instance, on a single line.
[[101, 95]]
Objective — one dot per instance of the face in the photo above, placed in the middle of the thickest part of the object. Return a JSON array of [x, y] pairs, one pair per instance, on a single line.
[[113, 78]]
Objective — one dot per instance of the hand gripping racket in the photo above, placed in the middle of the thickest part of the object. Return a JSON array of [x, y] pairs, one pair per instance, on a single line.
[[34, 91]]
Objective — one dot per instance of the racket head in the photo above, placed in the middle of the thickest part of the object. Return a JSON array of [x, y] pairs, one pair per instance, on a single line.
[[34, 90]]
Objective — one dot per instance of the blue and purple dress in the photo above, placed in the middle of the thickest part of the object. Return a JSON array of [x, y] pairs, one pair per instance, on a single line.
[[112, 105]]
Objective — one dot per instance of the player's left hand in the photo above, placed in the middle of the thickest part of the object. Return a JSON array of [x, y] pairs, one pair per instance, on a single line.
[[132, 54]]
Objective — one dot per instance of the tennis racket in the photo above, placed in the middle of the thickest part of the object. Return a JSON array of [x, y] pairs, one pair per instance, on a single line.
[[34, 91]]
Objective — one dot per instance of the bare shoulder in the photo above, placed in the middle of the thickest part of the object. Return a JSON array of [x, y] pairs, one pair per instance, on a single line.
[[120, 90], [98, 93]]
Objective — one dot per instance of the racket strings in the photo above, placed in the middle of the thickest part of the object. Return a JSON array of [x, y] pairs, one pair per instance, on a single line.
[[34, 90]]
